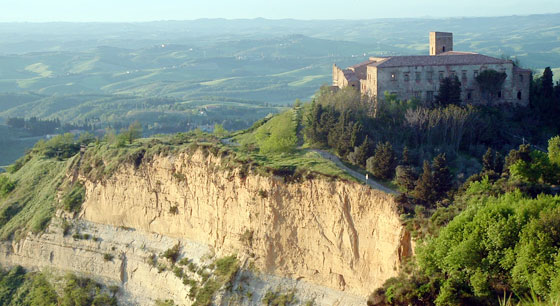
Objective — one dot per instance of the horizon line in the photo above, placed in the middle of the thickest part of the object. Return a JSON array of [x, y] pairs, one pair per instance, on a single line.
[[283, 19]]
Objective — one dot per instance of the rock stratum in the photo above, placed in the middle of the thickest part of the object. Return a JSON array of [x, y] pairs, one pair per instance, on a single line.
[[325, 232]]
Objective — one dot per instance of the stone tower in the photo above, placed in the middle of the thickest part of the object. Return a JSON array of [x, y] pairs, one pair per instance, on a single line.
[[440, 42]]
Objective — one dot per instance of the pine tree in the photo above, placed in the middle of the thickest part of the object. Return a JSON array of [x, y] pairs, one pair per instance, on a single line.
[[498, 163], [443, 179], [382, 164], [449, 91], [406, 161], [406, 177], [488, 161], [425, 186], [361, 153]]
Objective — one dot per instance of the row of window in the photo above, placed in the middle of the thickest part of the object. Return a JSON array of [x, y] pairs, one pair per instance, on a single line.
[[430, 75], [469, 96]]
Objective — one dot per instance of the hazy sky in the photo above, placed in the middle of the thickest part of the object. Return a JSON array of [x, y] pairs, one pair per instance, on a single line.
[[145, 10]]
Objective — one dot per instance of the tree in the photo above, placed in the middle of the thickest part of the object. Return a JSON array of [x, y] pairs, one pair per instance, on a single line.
[[547, 83], [382, 164], [361, 153], [134, 131], [425, 190], [405, 160], [490, 82], [219, 130], [523, 153], [449, 91], [443, 179], [554, 150], [406, 177]]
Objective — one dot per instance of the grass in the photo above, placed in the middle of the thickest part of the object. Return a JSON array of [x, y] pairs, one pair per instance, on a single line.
[[32, 204], [252, 141]]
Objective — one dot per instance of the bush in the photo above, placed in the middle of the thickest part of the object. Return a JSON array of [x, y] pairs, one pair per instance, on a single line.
[[73, 199], [172, 254], [108, 257], [6, 185]]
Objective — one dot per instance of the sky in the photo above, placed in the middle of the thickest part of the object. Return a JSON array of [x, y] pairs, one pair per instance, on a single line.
[[149, 10]]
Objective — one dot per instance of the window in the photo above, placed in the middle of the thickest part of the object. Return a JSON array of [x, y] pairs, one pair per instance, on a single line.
[[499, 94], [406, 77], [519, 95], [443, 49], [521, 78], [464, 75], [475, 73], [429, 75], [441, 75], [393, 76], [469, 95], [429, 96], [418, 76]]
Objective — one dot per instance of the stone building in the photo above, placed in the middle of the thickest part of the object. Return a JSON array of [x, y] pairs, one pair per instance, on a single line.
[[419, 76]]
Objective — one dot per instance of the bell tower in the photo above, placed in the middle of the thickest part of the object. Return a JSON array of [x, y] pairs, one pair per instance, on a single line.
[[440, 42]]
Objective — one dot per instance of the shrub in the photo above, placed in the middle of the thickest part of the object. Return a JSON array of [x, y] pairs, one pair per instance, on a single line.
[[6, 185], [277, 298], [108, 257], [172, 254], [73, 199], [173, 210]]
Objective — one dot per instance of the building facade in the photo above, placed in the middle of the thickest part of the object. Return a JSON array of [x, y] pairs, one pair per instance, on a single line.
[[419, 76]]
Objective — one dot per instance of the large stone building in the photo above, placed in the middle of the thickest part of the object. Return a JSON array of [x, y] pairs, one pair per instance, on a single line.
[[419, 76]]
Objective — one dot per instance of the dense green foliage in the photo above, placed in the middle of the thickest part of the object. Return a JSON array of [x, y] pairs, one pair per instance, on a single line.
[[18, 288], [6, 185], [490, 82], [383, 162], [500, 234], [73, 199], [449, 91]]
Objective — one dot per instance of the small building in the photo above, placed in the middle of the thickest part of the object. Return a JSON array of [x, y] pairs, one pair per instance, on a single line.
[[419, 76]]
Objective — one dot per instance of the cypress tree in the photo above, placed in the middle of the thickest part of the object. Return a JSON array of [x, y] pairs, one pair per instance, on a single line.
[[405, 161], [488, 160], [382, 164], [406, 177], [449, 91], [425, 186], [443, 179]]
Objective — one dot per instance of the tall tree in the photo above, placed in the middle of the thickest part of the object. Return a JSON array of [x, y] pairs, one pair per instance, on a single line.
[[449, 91], [443, 179], [382, 164], [490, 83], [425, 186]]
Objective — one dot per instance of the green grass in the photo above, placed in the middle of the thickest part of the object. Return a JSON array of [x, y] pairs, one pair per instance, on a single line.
[[283, 125], [30, 206]]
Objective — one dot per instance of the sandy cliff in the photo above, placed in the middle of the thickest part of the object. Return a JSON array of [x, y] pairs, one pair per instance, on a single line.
[[334, 233]]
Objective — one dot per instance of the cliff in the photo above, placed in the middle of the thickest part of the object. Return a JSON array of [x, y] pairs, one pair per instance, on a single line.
[[335, 233]]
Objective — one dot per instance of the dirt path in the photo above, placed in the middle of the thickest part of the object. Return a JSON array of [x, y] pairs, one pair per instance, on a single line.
[[353, 173], [326, 155]]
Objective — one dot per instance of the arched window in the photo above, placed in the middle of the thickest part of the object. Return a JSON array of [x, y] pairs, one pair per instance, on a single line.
[[519, 95], [443, 49], [499, 94]]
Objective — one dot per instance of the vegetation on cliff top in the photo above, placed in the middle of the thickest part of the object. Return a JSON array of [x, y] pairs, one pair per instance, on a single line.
[[18, 287]]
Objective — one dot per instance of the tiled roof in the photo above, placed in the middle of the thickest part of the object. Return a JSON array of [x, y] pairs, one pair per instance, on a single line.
[[447, 58], [361, 64], [350, 75]]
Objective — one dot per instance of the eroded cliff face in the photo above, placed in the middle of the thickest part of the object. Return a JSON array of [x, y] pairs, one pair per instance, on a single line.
[[335, 233]]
